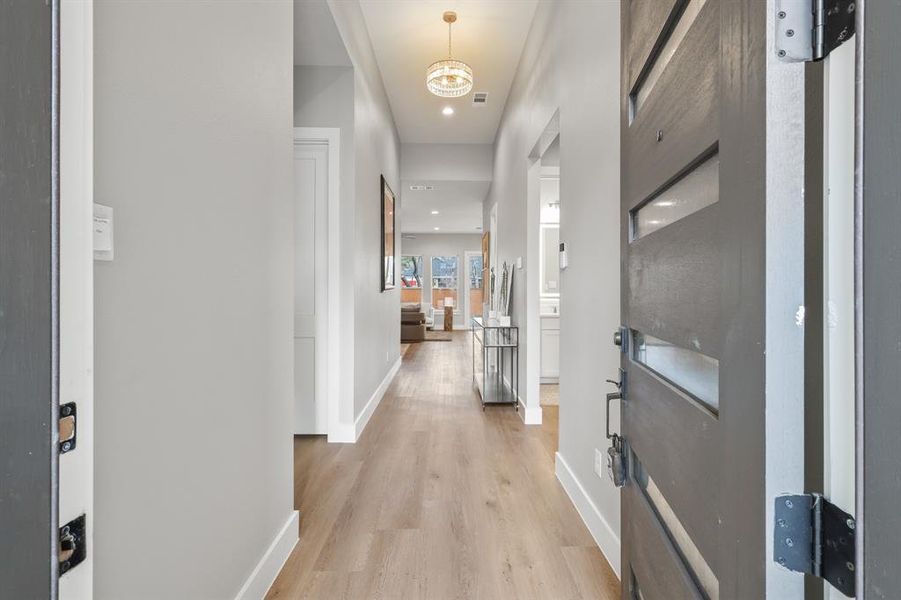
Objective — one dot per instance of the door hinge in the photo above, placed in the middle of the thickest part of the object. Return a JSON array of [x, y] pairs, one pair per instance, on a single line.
[[808, 30], [812, 535]]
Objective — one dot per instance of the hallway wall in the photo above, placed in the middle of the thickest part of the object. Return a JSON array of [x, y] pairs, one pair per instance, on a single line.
[[568, 66], [376, 315], [447, 162], [194, 320]]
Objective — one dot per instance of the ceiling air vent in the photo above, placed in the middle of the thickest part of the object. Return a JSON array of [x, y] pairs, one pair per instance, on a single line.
[[407, 236], [422, 188], [480, 98]]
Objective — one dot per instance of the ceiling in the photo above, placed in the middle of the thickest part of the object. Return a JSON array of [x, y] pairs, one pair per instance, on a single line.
[[459, 206], [316, 38], [407, 36]]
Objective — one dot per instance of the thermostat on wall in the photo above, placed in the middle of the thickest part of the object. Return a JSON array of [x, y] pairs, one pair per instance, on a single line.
[[562, 256]]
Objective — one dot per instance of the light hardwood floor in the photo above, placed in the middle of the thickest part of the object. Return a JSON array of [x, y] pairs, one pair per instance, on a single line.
[[439, 500]]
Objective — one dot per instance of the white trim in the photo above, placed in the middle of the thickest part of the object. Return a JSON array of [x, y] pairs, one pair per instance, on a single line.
[[76, 383], [531, 415], [532, 368], [272, 561], [604, 535], [331, 136], [377, 395]]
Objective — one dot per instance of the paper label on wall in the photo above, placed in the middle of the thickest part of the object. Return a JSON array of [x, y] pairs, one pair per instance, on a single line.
[[103, 232]]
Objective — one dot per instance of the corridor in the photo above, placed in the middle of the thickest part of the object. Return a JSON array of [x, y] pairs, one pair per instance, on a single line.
[[439, 499]]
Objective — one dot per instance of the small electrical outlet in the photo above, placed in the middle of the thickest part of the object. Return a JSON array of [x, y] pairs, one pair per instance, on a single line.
[[598, 463]]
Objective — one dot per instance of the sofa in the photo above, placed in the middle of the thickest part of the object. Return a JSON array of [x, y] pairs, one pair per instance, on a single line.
[[412, 323]]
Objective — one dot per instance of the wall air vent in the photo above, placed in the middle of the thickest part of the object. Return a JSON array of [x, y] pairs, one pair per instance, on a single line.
[[480, 98]]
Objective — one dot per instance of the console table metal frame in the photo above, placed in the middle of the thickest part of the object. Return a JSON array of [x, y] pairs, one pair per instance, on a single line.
[[500, 342]]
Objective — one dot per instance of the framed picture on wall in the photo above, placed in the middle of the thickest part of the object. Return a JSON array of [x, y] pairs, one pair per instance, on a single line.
[[388, 247]]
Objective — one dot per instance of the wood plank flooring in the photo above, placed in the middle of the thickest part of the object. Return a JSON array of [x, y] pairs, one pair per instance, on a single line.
[[439, 500]]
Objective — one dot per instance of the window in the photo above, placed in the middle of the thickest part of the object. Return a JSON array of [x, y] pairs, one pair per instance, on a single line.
[[411, 271], [475, 272], [411, 274], [476, 296], [444, 280]]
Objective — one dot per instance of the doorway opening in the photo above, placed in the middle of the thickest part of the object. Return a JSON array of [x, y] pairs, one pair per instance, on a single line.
[[317, 285], [543, 290]]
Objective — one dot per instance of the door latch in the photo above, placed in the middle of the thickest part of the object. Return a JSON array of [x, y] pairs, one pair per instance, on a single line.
[[67, 427], [812, 535], [72, 548]]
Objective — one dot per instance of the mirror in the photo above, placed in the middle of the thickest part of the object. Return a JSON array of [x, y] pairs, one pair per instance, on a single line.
[[550, 266]]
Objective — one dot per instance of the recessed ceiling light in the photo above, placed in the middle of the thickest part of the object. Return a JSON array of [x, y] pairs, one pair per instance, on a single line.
[[436, 228], [434, 212], [447, 111]]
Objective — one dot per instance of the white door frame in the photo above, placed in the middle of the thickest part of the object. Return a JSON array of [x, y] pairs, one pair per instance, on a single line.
[[531, 375], [76, 469], [332, 137]]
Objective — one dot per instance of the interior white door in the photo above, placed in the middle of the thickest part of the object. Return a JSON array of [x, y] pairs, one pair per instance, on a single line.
[[310, 287]]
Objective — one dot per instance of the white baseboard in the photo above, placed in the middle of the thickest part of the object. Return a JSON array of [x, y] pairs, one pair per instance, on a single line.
[[344, 434], [271, 563], [531, 415], [363, 419], [604, 535]]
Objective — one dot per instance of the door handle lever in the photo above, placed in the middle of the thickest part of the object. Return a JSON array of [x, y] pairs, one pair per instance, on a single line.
[[610, 397]]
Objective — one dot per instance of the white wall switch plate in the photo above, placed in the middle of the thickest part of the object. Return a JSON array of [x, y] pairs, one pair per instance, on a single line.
[[598, 463], [518, 262], [103, 232]]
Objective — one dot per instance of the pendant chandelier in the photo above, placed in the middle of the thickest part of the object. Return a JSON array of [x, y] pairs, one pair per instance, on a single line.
[[449, 78]]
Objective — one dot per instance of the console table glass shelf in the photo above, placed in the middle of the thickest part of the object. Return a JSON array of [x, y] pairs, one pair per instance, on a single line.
[[495, 361]]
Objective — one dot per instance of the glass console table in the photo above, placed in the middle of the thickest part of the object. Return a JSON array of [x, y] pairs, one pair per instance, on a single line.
[[495, 361]]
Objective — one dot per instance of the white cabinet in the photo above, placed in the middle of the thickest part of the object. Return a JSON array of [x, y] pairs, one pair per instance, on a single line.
[[550, 349]]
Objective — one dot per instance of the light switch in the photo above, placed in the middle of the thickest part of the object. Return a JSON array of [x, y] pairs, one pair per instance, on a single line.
[[518, 262], [103, 232]]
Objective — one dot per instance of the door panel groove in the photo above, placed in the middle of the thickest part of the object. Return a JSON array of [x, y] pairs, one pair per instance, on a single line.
[[692, 558], [650, 21], [679, 121]]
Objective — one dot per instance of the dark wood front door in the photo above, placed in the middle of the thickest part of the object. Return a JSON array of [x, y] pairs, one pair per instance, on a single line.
[[706, 214], [28, 308]]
